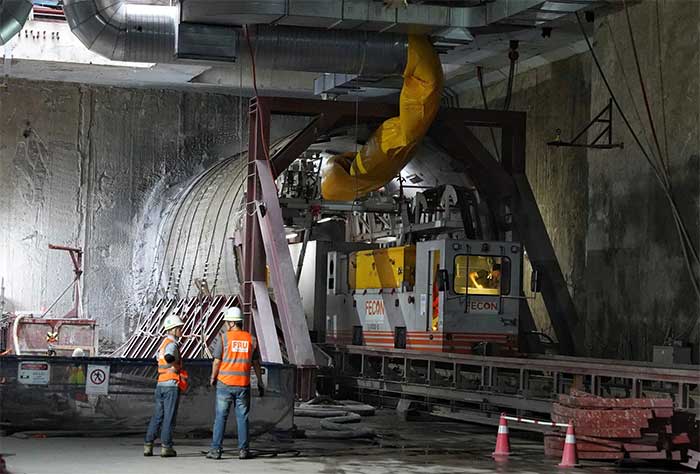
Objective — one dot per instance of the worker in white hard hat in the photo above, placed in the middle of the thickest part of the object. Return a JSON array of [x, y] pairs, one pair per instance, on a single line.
[[76, 374], [235, 351], [167, 390]]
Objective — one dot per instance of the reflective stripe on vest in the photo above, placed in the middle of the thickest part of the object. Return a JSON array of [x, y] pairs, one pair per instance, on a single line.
[[166, 371], [237, 351]]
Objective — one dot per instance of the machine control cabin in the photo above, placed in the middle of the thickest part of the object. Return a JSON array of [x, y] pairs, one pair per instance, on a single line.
[[442, 295]]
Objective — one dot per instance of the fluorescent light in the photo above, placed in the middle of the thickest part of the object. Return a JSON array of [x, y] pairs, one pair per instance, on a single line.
[[325, 219], [386, 240]]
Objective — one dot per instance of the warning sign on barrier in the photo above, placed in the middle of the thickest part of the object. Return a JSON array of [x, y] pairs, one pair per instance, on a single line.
[[33, 373], [97, 380]]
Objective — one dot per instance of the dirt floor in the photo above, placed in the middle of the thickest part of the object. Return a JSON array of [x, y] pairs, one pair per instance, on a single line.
[[418, 446]]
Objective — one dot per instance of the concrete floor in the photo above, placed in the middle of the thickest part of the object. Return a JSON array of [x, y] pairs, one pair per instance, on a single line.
[[426, 446]]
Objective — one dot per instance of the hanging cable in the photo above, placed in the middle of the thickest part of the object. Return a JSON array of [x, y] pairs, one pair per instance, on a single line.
[[644, 89], [255, 88], [682, 234], [480, 77], [513, 55], [661, 84], [650, 117]]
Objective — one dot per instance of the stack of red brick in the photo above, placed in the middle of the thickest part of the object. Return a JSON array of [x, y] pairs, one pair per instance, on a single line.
[[625, 428]]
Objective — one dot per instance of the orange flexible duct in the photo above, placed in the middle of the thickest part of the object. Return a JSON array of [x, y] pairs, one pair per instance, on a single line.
[[350, 176]]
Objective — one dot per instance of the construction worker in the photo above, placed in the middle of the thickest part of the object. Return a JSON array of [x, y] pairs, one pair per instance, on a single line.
[[76, 375], [167, 391], [235, 351], [486, 279]]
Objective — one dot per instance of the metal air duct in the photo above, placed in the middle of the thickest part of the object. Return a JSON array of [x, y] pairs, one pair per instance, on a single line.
[[13, 15], [146, 33], [124, 32], [312, 50]]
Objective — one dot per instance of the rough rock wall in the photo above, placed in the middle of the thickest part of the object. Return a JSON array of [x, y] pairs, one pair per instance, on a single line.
[[608, 219], [554, 96], [638, 287], [93, 167]]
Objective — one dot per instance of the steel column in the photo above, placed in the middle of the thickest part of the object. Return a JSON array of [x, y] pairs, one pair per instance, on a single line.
[[287, 297], [530, 229], [253, 255]]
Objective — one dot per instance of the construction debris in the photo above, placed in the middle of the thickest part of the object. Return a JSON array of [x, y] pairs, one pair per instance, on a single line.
[[625, 428]]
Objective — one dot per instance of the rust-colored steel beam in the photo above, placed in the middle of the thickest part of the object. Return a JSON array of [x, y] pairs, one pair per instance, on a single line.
[[253, 252]]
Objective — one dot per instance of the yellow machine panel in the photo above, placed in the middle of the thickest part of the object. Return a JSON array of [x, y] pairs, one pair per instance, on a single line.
[[382, 268]]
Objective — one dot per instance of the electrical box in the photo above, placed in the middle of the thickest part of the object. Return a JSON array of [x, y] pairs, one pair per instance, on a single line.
[[670, 355], [393, 267]]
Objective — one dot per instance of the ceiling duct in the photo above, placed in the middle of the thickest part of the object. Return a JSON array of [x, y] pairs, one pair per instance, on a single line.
[[121, 31], [314, 50], [364, 15], [146, 33], [13, 15]]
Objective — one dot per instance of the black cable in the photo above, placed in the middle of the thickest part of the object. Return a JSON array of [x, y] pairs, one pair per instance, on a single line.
[[661, 84], [643, 86], [480, 77], [681, 235], [638, 116], [509, 90], [650, 116]]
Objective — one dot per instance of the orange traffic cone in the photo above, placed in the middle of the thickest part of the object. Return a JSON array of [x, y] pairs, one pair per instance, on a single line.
[[502, 443], [569, 457]]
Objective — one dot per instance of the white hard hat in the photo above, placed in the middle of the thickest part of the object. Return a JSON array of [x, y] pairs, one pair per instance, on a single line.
[[78, 352], [233, 314], [172, 321]]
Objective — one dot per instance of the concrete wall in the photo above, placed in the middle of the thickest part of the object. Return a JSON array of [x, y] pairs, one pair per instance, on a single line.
[[77, 165], [639, 289], [607, 217]]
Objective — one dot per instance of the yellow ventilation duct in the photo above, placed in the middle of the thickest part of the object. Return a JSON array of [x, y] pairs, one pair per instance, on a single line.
[[350, 176]]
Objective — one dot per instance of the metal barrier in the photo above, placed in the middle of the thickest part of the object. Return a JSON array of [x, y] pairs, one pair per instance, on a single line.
[[116, 395], [551, 424], [478, 388]]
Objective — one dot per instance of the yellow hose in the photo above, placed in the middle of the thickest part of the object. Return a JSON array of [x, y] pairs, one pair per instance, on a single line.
[[350, 176]]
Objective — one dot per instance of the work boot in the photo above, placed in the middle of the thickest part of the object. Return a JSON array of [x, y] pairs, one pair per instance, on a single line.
[[148, 449], [167, 452], [244, 454], [214, 454]]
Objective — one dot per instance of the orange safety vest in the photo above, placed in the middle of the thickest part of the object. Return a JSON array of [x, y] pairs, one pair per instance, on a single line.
[[237, 353], [166, 371]]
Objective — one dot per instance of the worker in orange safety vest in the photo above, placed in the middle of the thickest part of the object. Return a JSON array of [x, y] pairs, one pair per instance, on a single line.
[[167, 390], [235, 352]]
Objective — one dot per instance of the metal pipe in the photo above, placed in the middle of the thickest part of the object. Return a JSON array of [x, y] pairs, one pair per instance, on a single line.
[[13, 15], [15, 334], [340, 51], [122, 31], [302, 253]]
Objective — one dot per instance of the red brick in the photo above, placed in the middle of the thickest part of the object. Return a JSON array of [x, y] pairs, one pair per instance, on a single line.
[[599, 402], [649, 455], [640, 448]]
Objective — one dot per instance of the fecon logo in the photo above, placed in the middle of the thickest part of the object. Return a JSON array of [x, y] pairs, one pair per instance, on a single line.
[[483, 306], [239, 346], [374, 307]]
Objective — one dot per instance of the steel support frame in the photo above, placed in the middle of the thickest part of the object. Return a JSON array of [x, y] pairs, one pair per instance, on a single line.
[[253, 250], [555, 369], [504, 185], [507, 190], [76, 256]]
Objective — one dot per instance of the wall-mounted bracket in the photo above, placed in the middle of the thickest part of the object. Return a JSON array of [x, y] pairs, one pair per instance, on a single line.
[[603, 117]]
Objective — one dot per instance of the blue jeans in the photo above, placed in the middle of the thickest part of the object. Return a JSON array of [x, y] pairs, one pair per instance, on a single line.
[[163, 418], [225, 395]]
